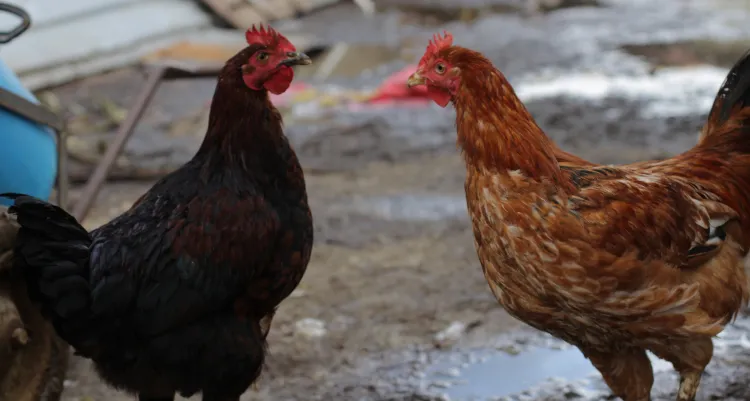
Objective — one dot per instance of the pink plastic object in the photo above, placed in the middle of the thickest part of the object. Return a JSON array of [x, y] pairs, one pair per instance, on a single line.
[[394, 89]]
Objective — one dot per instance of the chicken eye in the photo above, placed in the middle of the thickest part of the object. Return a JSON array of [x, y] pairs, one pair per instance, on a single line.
[[262, 56], [440, 68]]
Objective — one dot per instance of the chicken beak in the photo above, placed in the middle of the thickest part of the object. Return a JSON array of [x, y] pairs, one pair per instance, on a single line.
[[296, 58], [414, 80]]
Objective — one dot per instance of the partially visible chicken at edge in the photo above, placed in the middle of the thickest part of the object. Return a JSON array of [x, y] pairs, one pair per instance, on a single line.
[[616, 260]]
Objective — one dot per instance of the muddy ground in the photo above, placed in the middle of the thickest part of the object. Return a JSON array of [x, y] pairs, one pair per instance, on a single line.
[[394, 305]]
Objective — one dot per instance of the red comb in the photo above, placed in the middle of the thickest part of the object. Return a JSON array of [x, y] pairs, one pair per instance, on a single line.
[[437, 44], [266, 36]]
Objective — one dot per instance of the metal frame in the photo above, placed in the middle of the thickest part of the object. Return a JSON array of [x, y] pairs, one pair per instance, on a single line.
[[35, 112], [41, 115], [6, 37], [155, 75]]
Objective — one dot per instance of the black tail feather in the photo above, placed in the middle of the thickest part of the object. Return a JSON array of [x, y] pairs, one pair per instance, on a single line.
[[52, 250], [732, 97], [735, 91]]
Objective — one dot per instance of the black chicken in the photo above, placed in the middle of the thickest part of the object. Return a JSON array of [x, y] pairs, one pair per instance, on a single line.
[[176, 294]]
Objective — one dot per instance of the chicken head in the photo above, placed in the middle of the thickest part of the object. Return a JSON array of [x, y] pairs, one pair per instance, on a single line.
[[440, 76], [271, 61]]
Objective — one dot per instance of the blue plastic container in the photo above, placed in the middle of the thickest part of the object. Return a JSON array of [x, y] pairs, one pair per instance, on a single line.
[[28, 155]]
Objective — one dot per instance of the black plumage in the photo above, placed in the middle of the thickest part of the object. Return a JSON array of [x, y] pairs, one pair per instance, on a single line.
[[169, 296]]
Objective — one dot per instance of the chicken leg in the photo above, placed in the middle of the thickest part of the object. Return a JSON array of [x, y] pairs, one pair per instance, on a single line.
[[689, 360], [628, 373]]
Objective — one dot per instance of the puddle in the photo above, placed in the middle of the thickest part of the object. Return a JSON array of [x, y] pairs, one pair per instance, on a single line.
[[544, 369], [503, 375], [500, 375], [409, 207], [552, 370]]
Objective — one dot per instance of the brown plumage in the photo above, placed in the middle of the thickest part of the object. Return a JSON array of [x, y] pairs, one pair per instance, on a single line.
[[616, 260], [33, 359], [177, 294]]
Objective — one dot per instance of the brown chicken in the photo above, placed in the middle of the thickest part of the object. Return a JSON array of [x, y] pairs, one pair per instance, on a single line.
[[615, 260]]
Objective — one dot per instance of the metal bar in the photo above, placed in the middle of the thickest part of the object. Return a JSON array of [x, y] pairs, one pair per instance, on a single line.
[[175, 71], [63, 178], [94, 184], [30, 110]]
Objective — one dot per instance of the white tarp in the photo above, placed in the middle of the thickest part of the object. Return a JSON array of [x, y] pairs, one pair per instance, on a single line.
[[74, 38]]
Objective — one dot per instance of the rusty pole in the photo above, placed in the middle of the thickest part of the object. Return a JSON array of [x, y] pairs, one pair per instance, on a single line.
[[94, 184], [63, 180]]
